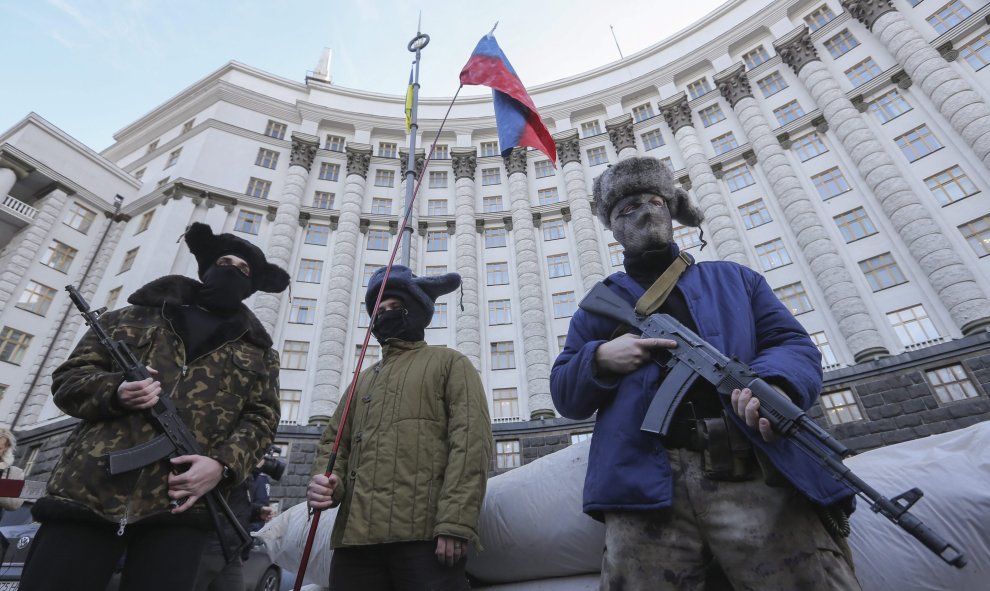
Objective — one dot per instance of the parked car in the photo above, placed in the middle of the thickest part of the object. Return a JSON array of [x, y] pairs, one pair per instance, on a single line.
[[17, 530]]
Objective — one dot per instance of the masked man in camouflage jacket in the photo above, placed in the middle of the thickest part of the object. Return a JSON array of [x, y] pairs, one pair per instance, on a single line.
[[213, 358], [413, 462]]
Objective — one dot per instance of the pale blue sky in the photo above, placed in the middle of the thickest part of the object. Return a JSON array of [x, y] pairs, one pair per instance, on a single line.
[[93, 66]]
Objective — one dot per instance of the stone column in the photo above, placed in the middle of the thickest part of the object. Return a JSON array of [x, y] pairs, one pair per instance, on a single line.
[[724, 234], [950, 278], [589, 252], [28, 244], [844, 300], [285, 230], [337, 307], [466, 254], [414, 218], [957, 101], [7, 179], [620, 131], [529, 278]]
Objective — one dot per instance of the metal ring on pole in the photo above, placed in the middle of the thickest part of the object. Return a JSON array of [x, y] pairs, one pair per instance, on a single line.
[[418, 42]]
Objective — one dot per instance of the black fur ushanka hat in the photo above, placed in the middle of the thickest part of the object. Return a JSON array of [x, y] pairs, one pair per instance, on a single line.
[[207, 247]]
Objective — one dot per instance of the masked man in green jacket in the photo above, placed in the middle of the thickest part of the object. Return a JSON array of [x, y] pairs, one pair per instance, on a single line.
[[413, 462], [213, 358]]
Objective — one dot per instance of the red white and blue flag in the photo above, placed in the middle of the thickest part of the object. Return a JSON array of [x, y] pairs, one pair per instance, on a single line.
[[515, 114]]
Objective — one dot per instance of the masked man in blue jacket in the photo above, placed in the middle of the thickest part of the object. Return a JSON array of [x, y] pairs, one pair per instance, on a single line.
[[722, 493]]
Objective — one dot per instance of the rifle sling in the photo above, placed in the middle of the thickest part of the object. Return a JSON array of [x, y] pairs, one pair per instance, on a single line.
[[654, 297]]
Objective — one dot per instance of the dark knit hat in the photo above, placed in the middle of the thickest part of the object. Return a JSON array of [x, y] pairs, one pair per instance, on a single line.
[[402, 283], [643, 175], [207, 247]]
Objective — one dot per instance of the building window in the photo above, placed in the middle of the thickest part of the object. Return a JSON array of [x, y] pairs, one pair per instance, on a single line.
[[384, 178], [917, 143], [579, 437], [369, 270], [828, 356], [364, 319], [495, 237], [503, 355], [36, 298], [112, 296], [140, 174], [830, 183], [505, 404], [755, 57], [711, 115], [378, 239], [854, 225], [499, 312], [173, 158], [561, 341], [310, 271], [652, 139], [809, 146], [882, 272], [642, 112], [819, 17], [323, 200], [303, 311], [152, 147], [687, 237], [381, 206], [789, 112], [977, 52], [276, 130], [948, 16], [977, 234], [724, 143], [490, 176], [615, 254], [668, 163], [289, 402], [590, 128], [436, 240], [441, 152], [739, 177], [507, 454], [597, 155], [497, 273], [772, 254], [913, 326], [32, 458], [755, 213], [794, 298], [553, 230], [188, 125], [492, 204], [145, 222], [388, 149], [334, 143], [294, 355], [548, 196], [435, 270], [864, 71], [951, 383], [438, 179], [950, 185], [564, 304], [317, 234], [558, 265], [771, 84], [436, 207], [248, 222], [841, 44], [79, 218], [266, 158], [13, 344], [258, 188], [329, 171], [489, 149], [543, 169], [439, 315], [698, 88], [59, 256], [840, 407], [372, 355]]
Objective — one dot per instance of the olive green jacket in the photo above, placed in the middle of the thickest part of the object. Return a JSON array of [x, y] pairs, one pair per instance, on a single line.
[[415, 452], [228, 398]]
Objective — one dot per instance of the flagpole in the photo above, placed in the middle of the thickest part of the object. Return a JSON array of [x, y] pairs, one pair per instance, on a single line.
[[416, 45]]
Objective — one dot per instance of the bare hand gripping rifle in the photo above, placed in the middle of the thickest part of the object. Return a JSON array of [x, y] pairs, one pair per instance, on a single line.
[[694, 358], [175, 440]]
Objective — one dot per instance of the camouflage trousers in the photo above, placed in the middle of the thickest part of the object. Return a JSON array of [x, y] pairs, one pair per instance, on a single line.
[[721, 535]]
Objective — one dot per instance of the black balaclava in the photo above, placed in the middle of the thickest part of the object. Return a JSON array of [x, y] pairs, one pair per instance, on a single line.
[[224, 288], [406, 323]]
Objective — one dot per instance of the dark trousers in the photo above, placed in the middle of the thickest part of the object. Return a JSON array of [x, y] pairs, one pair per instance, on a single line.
[[82, 557], [405, 566]]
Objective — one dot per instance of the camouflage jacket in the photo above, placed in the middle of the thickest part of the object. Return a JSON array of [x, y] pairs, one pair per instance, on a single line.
[[228, 398]]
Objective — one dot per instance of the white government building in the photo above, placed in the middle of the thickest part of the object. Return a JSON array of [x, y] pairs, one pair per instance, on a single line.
[[840, 147]]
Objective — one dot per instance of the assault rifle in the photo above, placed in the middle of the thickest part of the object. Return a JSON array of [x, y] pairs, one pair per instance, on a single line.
[[694, 358], [175, 440]]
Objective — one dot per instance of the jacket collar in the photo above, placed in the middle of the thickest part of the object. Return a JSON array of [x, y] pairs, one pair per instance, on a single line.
[[178, 290], [398, 347]]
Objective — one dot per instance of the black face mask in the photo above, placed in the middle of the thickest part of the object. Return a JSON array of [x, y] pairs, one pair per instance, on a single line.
[[224, 288], [390, 324]]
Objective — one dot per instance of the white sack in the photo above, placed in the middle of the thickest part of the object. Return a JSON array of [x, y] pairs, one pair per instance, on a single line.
[[285, 537]]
